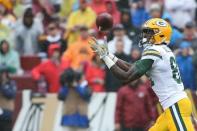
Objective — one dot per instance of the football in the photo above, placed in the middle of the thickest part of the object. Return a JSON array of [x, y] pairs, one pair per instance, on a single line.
[[104, 22]]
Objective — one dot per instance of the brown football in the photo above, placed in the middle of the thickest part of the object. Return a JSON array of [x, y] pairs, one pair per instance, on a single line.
[[104, 22]]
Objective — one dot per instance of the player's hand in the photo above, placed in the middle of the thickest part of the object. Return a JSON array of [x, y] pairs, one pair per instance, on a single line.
[[100, 49]]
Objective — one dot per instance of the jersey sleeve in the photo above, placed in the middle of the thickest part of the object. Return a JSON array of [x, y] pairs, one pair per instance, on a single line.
[[152, 54]]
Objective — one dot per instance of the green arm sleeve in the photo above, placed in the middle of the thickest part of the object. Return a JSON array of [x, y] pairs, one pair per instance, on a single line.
[[137, 70], [142, 66]]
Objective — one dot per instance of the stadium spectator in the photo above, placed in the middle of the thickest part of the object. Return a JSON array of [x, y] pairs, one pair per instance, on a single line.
[[184, 61], [128, 118], [50, 69], [67, 7], [138, 13], [53, 36], [112, 83], [9, 57], [27, 32], [6, 17], [7, 97], [95, 75], [120, 50], [75, 94], [120, 34], [157, 11], [98, 6], [189, 35], [85, 16], [18, 8], [7, 21], [180, 9], [112, 9], [148, 3], [135, 54], [126, 22], [79, 52]]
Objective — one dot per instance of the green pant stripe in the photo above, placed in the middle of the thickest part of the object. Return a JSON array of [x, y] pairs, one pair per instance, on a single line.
[[181, 119], [174, 119]]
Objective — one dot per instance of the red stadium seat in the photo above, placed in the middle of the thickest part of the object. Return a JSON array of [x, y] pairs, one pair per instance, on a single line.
[[29, 62], [25, 82]]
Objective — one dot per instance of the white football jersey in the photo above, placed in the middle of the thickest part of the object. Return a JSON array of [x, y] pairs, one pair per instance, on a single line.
[[164, 74]]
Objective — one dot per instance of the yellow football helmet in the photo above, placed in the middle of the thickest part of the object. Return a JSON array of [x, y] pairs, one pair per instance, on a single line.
[[156, 31]]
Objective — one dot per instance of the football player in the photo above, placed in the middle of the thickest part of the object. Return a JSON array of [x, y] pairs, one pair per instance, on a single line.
[[158, 62]]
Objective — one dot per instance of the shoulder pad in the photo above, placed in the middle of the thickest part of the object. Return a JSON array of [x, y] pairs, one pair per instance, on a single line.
[[151, 52]]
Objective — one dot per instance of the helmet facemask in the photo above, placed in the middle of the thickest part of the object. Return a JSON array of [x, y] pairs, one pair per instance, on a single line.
[[147, 36]]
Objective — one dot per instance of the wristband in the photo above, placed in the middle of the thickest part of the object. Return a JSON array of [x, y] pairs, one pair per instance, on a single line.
[[113, 57], [109, 62]]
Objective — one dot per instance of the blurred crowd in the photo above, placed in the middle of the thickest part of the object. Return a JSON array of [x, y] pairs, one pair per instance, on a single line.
[[58, 31]]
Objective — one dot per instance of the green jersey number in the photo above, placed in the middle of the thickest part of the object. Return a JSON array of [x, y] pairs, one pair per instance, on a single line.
[[175, 71]]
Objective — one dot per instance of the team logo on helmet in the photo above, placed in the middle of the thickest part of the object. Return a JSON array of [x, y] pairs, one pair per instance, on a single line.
[[161, 23]]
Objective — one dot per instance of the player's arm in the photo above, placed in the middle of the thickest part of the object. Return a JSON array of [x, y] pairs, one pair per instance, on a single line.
[[120, 63], [120, 70], [123, 64], [138, 69]]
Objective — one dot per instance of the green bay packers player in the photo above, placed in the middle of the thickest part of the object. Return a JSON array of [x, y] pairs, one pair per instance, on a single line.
[[159, 63]]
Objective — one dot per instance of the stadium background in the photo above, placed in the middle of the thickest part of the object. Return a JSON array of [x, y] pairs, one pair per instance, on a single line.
[[40, 39]]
